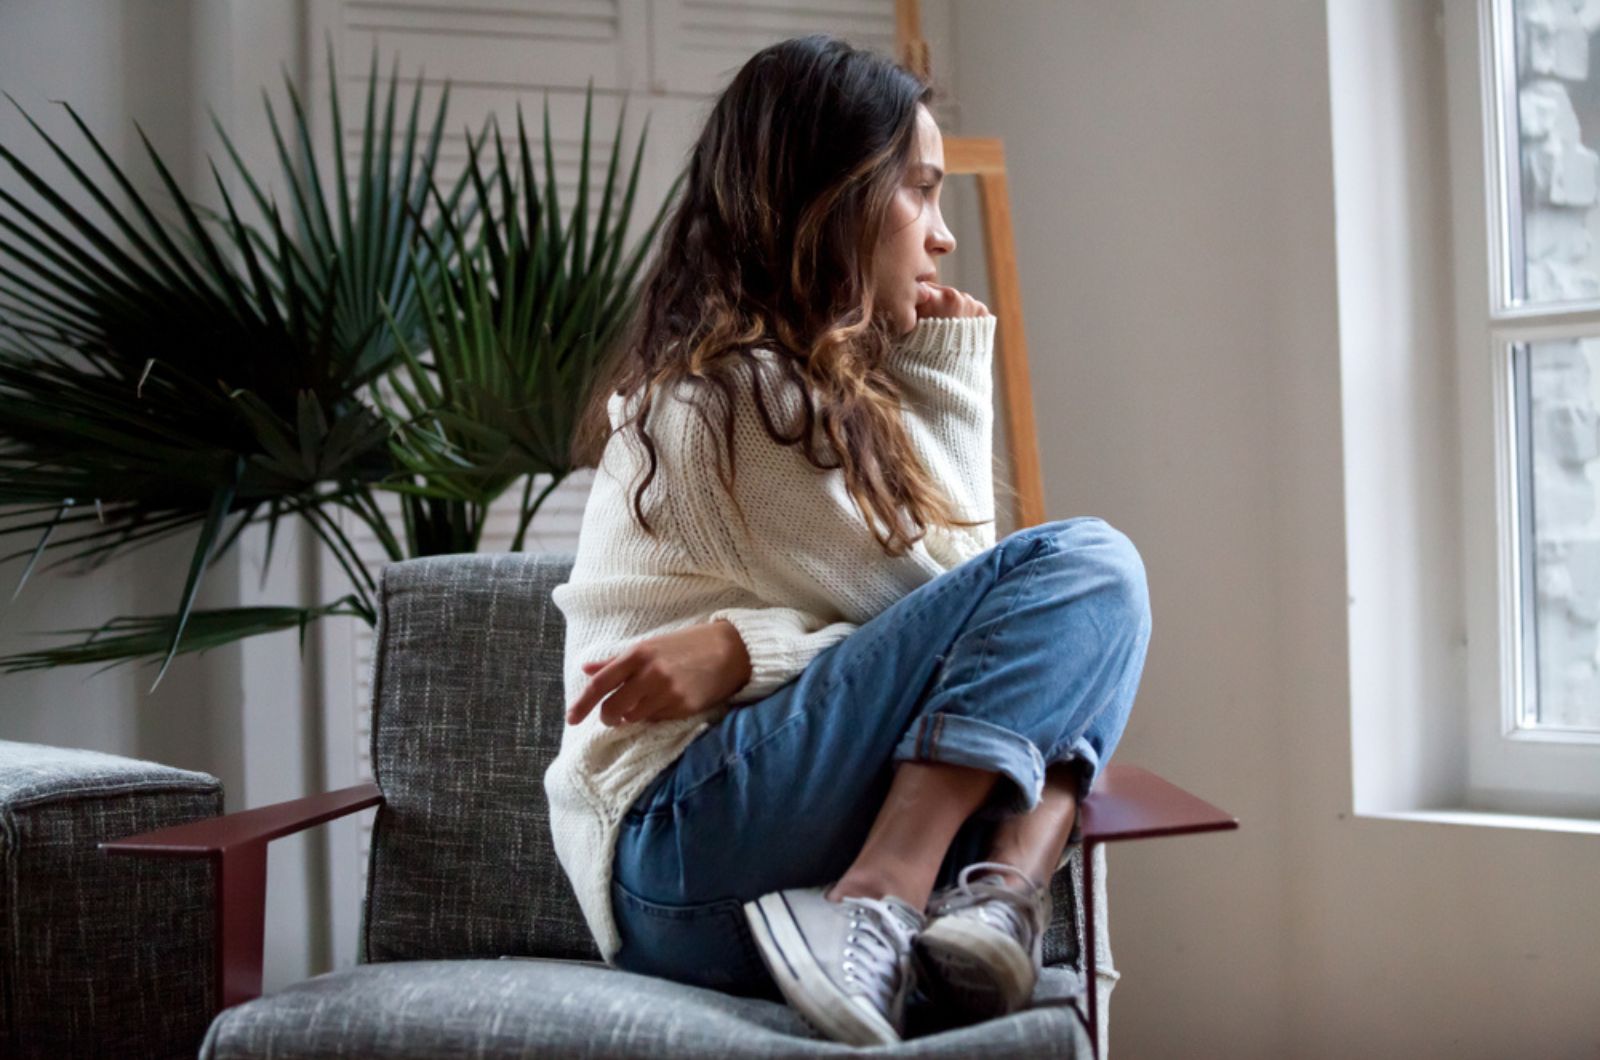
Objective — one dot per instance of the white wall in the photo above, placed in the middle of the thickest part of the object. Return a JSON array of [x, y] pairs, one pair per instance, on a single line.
[[106, 66], [162, 63], [1173, 188]]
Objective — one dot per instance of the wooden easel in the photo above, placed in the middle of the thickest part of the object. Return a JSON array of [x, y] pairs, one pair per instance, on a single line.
[[984, 158]]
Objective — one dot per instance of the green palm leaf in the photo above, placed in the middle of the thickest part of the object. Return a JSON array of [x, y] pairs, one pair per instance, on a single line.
[[168, 367], [514, 335], [205, 371], [127, 638]]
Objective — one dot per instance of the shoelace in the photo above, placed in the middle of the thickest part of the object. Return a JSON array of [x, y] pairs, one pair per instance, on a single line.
[[1013, 911], [878, 940]]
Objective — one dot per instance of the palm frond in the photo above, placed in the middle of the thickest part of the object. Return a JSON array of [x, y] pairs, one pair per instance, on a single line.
[[514, 335], [198, 370], [128, 638]]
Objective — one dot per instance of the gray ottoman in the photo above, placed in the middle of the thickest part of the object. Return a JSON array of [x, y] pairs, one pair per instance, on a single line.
[[103, 956]]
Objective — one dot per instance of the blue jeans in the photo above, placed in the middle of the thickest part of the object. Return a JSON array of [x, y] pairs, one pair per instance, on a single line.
[[1027, 655]]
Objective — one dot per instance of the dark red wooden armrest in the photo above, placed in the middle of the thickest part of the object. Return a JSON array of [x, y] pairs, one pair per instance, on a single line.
[[236, 843], [1132, 803]]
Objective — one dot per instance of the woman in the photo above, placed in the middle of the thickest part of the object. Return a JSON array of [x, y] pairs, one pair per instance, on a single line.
[[824, 732]]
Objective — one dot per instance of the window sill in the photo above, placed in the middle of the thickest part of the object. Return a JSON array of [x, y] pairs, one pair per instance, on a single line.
[[1493, 819]]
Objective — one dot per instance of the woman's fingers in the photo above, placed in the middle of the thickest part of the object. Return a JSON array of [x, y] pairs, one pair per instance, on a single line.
[[640, 694], [671, 676], [623, 701], [653, 699], [947, 301], [610, 676]]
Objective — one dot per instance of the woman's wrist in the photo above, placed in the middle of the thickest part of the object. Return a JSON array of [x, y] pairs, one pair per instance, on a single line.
[[737, 653], [948, 345]]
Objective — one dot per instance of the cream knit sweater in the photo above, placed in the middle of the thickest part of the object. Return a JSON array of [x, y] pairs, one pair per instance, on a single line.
[[806, 573]]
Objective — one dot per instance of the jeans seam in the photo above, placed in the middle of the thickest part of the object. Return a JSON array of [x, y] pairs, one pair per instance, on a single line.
[[698, 916], [724, 764]]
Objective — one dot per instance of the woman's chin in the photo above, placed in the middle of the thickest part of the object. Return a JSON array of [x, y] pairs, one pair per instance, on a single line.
[[901, 320]]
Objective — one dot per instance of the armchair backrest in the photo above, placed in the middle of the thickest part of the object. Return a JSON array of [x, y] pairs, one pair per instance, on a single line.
[[467, 704]]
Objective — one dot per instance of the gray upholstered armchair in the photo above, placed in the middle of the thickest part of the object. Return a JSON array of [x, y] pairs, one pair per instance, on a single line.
[[467, 713]]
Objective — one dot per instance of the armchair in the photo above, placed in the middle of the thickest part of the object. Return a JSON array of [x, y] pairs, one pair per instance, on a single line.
[[467, 713]]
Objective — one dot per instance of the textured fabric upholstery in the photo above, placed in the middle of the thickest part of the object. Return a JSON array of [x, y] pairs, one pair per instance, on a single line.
[[467, 714], [555, 1010], [103, 955]]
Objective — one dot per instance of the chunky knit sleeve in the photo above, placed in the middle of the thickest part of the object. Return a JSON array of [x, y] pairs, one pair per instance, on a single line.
[[790, 550], [796, 539], [945, 369], [781, 641]]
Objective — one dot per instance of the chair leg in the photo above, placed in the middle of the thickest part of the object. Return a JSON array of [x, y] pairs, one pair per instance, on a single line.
[[1091, 977]]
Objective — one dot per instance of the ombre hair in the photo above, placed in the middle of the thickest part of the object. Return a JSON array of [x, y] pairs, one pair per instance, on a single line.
[[771, 247]]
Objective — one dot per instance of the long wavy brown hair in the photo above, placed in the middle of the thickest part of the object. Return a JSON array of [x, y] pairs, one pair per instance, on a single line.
[[771, 247]]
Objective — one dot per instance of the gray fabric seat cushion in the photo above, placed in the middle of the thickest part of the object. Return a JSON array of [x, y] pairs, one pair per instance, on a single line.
[[566, 1009], [103, 956]]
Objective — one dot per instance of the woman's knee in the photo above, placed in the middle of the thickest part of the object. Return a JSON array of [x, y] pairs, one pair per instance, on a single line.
[[1095, 548]]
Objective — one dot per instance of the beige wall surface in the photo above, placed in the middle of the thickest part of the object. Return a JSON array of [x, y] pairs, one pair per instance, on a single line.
[[1173, 188]]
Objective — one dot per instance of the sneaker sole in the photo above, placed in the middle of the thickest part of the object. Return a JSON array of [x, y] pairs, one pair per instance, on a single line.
[[806, 986], [976, 968]]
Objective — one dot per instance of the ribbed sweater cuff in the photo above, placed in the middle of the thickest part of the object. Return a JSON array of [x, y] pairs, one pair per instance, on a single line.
[[949, 345], [776, 645]]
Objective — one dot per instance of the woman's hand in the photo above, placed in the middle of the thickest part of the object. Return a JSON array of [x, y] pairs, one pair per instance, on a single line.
[[942, 300], [675, 675]]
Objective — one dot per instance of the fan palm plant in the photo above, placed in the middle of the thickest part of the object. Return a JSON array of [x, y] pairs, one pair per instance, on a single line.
[[210, 372], [527, 310]]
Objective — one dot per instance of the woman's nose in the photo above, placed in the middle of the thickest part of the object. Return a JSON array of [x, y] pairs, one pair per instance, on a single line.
[[940, 241]]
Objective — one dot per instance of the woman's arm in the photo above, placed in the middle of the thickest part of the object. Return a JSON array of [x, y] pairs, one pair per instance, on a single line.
[[945, 369], [781, 642], [802, 550]]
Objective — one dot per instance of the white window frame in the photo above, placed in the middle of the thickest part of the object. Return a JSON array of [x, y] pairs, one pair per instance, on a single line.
[[1425, 472], [1509, 768]]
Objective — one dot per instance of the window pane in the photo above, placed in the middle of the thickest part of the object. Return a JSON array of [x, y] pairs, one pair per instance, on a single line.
[[1552, 103], [1558, 387]]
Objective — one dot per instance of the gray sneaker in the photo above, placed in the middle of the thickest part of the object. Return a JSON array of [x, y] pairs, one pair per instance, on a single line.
[[845, 966], [984, 943]]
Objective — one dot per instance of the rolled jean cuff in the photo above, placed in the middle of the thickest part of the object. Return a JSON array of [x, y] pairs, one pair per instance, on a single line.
[[1088, 760], [962, 741]]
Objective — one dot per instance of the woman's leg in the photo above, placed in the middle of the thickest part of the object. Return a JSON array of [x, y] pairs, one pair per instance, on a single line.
[[927, 805], [1031, 840], [1034, 842], [1002, 665]]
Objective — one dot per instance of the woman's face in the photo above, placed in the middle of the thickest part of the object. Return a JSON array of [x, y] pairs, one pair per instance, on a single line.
[[914, 234]]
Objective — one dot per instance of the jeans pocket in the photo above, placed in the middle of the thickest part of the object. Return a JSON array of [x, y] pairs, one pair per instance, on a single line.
[[705, 944]]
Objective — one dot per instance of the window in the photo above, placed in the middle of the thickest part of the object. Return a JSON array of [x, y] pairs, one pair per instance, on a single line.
[[1524, 102], [1467, 202]]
